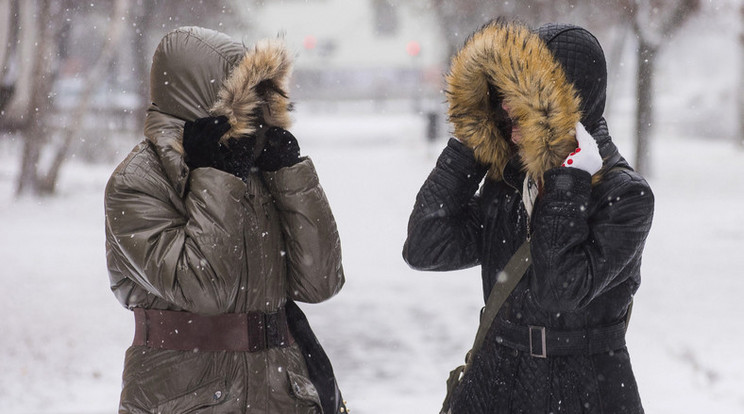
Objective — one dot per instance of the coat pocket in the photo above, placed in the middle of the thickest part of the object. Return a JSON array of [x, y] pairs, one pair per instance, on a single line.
[[301, 388], [196, 400]]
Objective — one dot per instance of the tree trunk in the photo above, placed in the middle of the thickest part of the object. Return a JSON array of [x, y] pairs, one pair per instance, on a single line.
[[143, 19], [614, 62], [22, 53], [35, 129], [646, 55], [7, 28], [110, 47], [740, 95]]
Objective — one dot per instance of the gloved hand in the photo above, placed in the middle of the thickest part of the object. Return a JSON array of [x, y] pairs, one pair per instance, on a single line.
[[281, 150], [586, 156], [201, 141], [239, 156]]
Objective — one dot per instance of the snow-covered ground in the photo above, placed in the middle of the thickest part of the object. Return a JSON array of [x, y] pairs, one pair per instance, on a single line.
[[393, 333]]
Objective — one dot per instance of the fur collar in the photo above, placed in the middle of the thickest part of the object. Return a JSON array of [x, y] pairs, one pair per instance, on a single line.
[[240, 98], [535, 87]]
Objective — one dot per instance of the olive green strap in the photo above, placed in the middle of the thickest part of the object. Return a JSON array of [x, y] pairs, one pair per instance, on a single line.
[[627, 315], [506, 281]]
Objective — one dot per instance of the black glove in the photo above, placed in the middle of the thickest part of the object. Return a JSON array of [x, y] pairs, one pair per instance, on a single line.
[[201, 141], [281, 150], [239, 156]]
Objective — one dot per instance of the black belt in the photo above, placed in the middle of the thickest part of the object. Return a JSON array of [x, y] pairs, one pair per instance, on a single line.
[[542, 342]]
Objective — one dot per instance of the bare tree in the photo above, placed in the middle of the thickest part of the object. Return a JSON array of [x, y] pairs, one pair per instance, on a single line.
[[34, 129], [653, 23], [34, 46], [32, 105], [458, 19], [7, 29], [740, 95], [142, 24], [94, 78], [19, 55]]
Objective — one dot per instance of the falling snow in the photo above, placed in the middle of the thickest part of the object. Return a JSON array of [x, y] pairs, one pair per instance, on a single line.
[[405, 357], [69, 358]]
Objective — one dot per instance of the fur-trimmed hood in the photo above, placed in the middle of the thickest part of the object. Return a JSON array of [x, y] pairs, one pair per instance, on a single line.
[[537, 82], [198, 72]]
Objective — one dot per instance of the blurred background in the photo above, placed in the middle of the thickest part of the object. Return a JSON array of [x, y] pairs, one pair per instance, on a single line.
[[370, 111]]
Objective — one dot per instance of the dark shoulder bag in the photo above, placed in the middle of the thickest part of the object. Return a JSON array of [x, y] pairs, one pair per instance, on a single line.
[[505, 284], [319, 366]]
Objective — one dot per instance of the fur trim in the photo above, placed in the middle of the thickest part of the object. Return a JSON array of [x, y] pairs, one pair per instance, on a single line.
[[241, 97], [544, 103]]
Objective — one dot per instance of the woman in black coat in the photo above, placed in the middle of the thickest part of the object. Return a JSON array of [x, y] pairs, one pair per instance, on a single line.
[[527, 108]]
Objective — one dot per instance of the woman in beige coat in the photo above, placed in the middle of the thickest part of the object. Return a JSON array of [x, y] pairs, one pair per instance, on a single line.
[[213, 223]]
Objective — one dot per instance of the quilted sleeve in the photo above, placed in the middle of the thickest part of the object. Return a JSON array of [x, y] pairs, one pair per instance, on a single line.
[[444, 229], [585, 243], [185, 252], [314, 266]]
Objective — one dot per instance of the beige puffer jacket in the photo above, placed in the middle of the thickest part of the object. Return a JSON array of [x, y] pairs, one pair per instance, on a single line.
[[206, 242]]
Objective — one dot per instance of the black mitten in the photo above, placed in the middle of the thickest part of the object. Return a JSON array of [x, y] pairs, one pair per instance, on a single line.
[[201, 141], [281, 150], [239, 156]]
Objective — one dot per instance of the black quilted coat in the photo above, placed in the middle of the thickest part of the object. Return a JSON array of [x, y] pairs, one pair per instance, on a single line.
[[587, 233]]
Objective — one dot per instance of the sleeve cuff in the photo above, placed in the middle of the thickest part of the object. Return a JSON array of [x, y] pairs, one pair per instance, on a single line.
[[294, 178], [459, 162], [566, 183]]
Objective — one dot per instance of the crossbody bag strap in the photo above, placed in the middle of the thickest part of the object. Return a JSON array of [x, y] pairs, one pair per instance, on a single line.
[[505, 283]]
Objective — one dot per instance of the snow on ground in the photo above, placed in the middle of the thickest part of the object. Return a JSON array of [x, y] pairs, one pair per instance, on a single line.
[[392, 333]]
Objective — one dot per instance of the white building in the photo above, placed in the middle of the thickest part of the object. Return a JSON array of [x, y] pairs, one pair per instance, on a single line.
[[358, 49]]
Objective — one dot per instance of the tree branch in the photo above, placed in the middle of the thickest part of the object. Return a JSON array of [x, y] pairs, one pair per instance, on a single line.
[[683, 10], [93, 80]]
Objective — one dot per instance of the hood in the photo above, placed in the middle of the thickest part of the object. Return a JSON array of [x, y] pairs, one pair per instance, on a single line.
[[198, 72], [539, 88], [583, 62]]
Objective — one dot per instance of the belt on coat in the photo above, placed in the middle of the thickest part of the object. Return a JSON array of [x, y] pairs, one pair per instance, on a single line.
[[542, 342], [186, 331]]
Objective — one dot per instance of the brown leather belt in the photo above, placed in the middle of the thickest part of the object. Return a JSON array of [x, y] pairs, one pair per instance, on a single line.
[[186, 331]]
